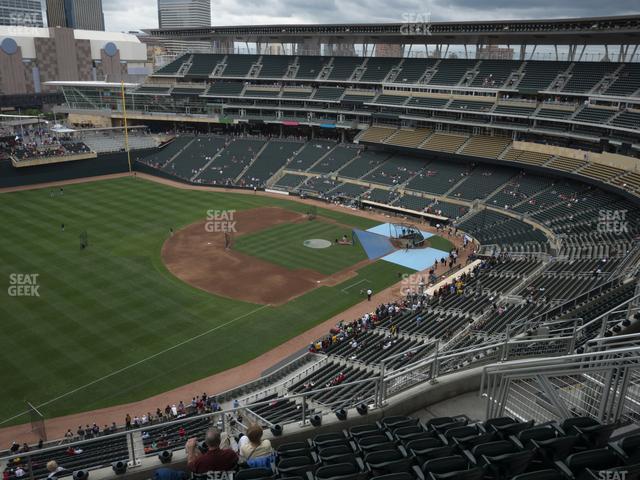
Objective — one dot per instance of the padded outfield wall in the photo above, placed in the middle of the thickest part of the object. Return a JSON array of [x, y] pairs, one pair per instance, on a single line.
[[104, 164]]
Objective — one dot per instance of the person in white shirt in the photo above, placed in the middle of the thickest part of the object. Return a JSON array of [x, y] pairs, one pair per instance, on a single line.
[[256, 448]]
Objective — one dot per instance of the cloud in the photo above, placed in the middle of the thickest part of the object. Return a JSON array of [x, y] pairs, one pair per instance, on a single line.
[[124, 15]]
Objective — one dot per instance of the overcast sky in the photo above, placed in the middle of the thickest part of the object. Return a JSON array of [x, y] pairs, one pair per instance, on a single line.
[[124, 15]]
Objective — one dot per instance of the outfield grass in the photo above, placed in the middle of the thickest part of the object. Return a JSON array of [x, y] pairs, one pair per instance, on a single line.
[[284, 245], [440, 243], [111, 324]]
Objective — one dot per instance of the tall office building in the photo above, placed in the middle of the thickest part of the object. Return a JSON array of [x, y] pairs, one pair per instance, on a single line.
[[184, 14], [22, 13], [77, 14]]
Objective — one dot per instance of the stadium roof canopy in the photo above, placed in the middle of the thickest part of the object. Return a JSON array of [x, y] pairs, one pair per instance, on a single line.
[[620, 30]]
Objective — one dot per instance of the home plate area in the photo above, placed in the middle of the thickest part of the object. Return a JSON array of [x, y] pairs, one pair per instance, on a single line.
[[377, 243]]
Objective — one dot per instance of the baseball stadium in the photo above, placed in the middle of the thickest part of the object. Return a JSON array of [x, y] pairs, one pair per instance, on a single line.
[[416, 265]]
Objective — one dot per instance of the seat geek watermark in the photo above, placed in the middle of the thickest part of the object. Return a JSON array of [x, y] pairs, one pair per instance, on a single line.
[[412, 284], [416, 23], [613, 221], [220, 221], [217, 475], [612, 475], [23, 23], [23, 285]]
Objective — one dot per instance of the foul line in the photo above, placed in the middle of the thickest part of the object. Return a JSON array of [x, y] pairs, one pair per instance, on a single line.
[[177, 345], [357, 283]]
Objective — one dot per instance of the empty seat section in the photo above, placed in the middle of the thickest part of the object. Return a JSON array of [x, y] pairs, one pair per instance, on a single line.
[[335, 159], [586, 75], [450, 72], [310, 67], [538, 75], [203, 64], [343, 67], [442, 142], [413, 69], [376, 134], [409, 138], [483, 146], [239, 65], [377, 68], [273, 157]]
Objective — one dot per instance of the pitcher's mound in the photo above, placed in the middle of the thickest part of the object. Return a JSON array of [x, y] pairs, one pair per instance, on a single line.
[[198, 257], [317, 243]]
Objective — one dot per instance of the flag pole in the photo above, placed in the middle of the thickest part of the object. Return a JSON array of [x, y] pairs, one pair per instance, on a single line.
[[126, 129]]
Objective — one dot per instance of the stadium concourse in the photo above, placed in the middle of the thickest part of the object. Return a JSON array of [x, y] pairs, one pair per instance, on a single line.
[[227, 380]]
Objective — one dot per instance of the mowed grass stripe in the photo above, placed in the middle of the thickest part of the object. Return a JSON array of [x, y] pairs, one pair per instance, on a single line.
[[284, 245]]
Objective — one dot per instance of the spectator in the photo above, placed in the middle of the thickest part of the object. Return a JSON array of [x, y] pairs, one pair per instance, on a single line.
[[214, 459], [19, 472], [152, 448], [55, 470], [256, 452]]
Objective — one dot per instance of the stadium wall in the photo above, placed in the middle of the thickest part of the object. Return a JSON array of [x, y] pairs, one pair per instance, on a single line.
[[104, 164]]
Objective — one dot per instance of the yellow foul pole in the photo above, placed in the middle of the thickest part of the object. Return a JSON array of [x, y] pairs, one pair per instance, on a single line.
[[126, 129]]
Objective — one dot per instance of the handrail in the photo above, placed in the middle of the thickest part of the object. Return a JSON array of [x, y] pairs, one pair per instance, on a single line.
[[630, 340], [264, 378], [180, 421], [608, 312]]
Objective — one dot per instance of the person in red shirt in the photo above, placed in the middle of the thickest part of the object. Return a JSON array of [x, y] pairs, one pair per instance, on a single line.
[[216, 459], [181, 432]]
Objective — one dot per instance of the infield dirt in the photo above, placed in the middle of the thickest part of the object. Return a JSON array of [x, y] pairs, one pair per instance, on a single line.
[[199, 257]]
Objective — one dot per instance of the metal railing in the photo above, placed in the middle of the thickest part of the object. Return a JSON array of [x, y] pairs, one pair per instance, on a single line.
[[444, 363], [557, 341], [604, 385], [612, 317]]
